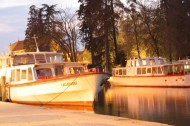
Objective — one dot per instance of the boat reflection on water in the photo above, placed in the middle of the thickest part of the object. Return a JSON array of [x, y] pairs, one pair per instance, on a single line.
[[164, 105]]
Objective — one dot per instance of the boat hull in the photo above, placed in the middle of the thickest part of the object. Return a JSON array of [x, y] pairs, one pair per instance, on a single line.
[[151, 81], [70, 90]]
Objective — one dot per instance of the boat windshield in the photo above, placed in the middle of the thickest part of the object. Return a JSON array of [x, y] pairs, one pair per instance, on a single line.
[[36, 58], [76, 70], [23, 59], [44, 72], [57, 71], [54, 58]]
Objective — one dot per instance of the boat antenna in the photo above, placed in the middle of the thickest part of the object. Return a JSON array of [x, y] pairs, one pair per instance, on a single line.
[[37, 49]]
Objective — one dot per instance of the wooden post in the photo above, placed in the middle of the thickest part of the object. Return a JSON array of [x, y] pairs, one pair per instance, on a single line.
[[3, 88], [0, 92]]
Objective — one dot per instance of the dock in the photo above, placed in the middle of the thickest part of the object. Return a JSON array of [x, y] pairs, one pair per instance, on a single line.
[[12, 114]]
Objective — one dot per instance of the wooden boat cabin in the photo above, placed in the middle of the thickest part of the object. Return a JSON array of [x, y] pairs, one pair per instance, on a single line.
[[156, 66], [32, 66]]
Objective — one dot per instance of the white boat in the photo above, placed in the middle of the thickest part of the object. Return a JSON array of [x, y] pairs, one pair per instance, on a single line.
[[44, 78], [152, 72]]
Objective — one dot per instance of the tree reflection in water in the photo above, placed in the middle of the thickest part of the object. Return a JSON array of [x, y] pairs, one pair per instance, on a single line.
[[164, 105]]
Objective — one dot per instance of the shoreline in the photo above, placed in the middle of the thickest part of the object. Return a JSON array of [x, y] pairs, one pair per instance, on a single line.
[[12, 114]]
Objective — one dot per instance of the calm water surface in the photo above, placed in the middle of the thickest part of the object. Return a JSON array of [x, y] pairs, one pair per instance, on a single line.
[[164, 105]]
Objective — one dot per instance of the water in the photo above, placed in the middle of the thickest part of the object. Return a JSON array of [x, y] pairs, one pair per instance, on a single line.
[[163, 105]]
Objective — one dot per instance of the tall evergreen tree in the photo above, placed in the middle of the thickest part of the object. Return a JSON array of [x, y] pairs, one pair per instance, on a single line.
[[98, 28], [41, 23]]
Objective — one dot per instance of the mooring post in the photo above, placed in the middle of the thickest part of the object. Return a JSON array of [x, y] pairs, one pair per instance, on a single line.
[[3, 88]]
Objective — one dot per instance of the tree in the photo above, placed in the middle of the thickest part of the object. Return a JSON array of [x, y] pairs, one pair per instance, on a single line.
[[56, 30], [98, 28], [152, 18], [91, 26], [177, 27], [66, 35], [147, 21], [42, 24]]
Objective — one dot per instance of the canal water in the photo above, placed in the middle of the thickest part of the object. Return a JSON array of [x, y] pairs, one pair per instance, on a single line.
[[163, 105]]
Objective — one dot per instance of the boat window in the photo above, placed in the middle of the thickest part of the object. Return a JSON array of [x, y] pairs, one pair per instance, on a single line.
[[159, 70], [148, 70], [138, 70], [179, 68], [59, 70], [18, 75], [152, 62], [44, 72], [23, 59], [143, 70], [23, 74], [116, 72], [30, 75], [161, 61], [132, 63], [128, 63], [187, 67], [40, 58], [12, 75], [120, 71], [137, 63], [124, 72], [16, 60], [76, 70], [170, 70], [175, 69], [143, 62], [15, 75], [54, 58], [166, 70], [154, 70]]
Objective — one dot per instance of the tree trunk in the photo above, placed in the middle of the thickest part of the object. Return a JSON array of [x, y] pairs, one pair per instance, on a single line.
[[114, 32], [107, 46], [136, 34]]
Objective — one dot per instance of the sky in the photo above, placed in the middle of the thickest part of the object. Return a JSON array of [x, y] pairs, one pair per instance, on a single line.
[[13, 18]]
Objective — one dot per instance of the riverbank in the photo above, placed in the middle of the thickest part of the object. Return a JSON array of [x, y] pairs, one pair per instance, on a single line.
[[12, 114]]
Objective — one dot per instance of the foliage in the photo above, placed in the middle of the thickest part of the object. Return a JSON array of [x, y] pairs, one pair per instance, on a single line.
[[111, 31], [66, 35], [85, 56], [42, 24], [177, 16], [98, 28], [56, 31]]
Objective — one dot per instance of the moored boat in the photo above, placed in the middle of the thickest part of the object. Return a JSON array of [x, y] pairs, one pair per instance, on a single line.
[[44, 78], [152, 72]]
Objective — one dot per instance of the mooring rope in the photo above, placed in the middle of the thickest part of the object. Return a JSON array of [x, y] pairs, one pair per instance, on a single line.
[[59, 93]]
